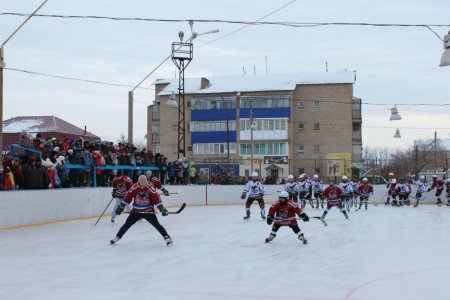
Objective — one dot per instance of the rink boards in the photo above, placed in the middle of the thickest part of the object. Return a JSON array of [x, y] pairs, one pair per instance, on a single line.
[[28, 208]]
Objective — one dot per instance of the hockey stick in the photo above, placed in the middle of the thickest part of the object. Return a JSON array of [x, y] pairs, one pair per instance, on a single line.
[[170, 212], [103, 211], [294, 218]]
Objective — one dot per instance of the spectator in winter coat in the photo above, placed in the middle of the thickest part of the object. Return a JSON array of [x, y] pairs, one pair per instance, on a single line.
[[61, 171], [42, 181], [17, 172], [5, 181]]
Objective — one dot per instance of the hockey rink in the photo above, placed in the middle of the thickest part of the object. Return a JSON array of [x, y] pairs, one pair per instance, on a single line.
[[381, 253]]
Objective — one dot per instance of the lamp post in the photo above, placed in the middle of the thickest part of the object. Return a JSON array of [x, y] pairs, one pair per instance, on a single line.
[[2, 66], [131, 93]]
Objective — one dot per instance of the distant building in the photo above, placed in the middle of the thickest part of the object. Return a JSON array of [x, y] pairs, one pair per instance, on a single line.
[[47, 126], [303, 123]]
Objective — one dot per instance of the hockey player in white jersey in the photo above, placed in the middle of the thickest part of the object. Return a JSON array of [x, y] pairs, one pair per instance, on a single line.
[[403, 192], [317, 190], [255, 190], [422, 187], [291, 188], [303, 188], [391, 188], [355, 183], [347, 192]]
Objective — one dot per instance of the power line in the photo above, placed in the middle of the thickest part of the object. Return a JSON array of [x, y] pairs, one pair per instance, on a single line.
[[285, 23], [74, 78]]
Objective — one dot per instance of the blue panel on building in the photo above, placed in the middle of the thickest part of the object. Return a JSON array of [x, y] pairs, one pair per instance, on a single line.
[[282, 112], [213, 114], [213, 137]]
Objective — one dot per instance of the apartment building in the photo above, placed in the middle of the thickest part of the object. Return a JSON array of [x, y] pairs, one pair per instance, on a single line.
[[274, 124]]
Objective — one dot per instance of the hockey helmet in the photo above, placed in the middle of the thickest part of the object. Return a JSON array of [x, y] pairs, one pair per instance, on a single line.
[[421, 178], [448, 180], [434, 176], [365, 179], [148, 173], [391, 174], [283, 194], [302, 176], [344, 177], [142, 180], [315, 176], [290, 177], [255, 174]]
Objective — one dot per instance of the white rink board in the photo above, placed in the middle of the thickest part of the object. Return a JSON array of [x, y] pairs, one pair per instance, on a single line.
[[383, 253], [19, 208]]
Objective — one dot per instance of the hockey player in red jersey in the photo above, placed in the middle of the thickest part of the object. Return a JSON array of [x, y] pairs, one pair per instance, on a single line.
[[333, 194], [153, 180], [365, 190], [447, 191], [121, 185], [282, 213], [144, 198], [439, 185]]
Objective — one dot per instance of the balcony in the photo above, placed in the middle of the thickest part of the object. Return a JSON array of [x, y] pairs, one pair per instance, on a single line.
[[356, 108], [356, 136]]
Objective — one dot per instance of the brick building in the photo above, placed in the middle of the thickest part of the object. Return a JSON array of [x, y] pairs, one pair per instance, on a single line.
[[302, 123]]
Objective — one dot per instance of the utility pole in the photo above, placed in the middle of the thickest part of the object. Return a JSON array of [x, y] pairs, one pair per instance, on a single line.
[[251, 137], [2, 66], [435, 150], [416, 160]]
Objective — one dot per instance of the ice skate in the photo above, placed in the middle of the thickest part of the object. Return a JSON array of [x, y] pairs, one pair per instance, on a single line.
[[247, 216], [114, 240], [271, 237], [301, 237], [168, 241], [263, 216]]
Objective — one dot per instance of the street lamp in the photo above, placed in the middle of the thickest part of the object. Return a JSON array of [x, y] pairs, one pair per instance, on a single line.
[[2, 66], [172, 102], [445, 59], [397, 134], [394, 114]]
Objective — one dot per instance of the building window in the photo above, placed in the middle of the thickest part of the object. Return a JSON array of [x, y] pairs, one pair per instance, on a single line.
[[300, 104], [213, 148], [196, 126], [264, 149], [156, 149], [316, 103], [300, 148], [301, 126], [316, 148], [272, 101], [316, 126], [209, 102], [264, 124], [188, 103], [189, 148]]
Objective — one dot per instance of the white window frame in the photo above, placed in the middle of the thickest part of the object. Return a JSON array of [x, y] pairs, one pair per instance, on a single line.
[[316, 103], [300, 104], [300, 148]]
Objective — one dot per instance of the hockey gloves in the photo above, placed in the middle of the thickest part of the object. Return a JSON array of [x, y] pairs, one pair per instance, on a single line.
[[119, 209], [269, 220], [304, 217], [164, 212], [113, 194], [243, 196], [165, 192]]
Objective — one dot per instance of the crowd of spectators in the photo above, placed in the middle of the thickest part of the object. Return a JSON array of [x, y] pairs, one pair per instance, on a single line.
[[70, 163]]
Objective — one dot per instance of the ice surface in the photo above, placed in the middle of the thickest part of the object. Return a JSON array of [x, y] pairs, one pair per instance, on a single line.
[[381, 253]]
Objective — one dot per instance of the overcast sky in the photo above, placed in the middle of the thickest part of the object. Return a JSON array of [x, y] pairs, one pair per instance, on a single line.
[[394, 65]]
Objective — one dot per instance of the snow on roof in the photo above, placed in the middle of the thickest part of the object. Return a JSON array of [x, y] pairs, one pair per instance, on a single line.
[[42, 124], [234, 84]]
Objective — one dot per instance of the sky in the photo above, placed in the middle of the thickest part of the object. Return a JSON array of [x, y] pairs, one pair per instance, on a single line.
[[394, 65]]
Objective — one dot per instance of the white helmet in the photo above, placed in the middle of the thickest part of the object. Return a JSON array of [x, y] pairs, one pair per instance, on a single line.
[[344, 177], [142, 179], [301, 176], [290, 177], [148, 173], [315, 176], [434, 176], [448, 180], [391, 174], [255, 174], [421, 177], [365, 179], [283, 194]]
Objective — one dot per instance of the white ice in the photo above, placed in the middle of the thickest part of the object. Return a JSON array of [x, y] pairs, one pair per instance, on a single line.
[[381, 253]]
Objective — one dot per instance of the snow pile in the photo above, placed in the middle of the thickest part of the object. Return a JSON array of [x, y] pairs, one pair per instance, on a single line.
[[232, 84], [29, 125]]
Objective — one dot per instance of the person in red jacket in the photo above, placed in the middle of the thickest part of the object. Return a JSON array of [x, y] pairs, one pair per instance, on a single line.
[[333, 195], [447, 191], [365, 190], [282, 213], [439, 185], [121, 185], [144, 198]]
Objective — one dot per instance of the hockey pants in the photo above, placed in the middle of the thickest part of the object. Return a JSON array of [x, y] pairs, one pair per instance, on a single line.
[[341, 208], [134, 217], [250, 202]]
